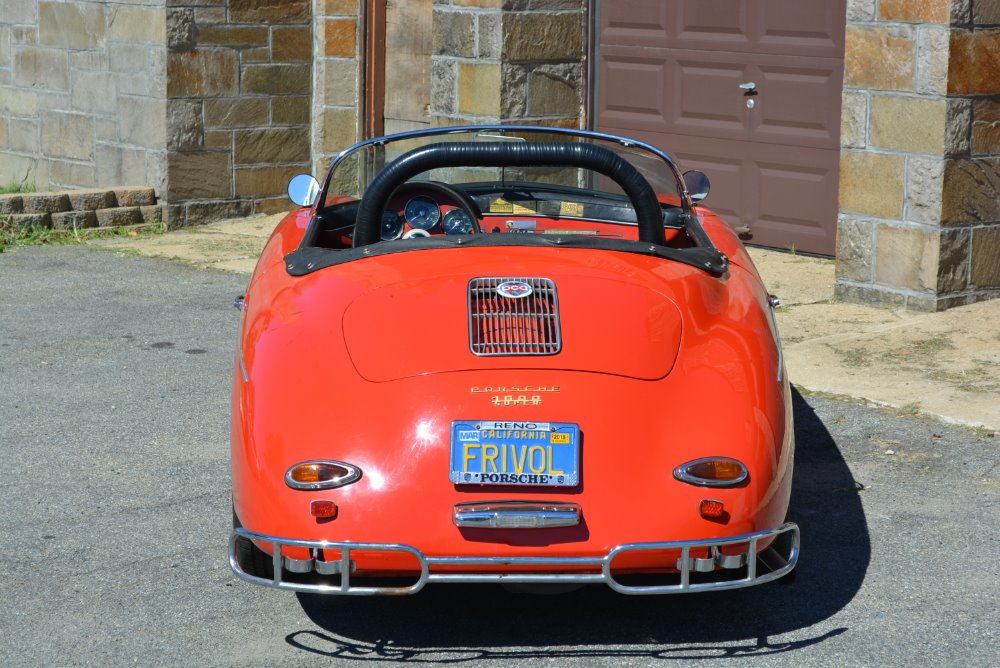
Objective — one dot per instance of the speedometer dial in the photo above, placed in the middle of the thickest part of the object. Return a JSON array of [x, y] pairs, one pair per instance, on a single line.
[[422, 213], [457, 221], [392, 225]]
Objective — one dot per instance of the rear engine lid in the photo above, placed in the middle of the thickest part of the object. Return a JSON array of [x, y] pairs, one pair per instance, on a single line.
[[462, 323]]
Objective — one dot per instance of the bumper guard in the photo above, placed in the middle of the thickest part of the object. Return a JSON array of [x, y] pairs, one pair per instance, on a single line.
[[776, 568]]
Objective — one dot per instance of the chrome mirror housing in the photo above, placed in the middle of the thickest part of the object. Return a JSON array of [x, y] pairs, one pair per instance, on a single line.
[[303, 189], [697, 184]]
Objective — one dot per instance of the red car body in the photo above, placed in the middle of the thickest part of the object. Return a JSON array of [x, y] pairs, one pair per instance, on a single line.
[[364, 355]]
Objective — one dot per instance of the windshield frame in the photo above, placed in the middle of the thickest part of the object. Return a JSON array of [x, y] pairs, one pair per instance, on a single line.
[[624, 142], [702, 254]]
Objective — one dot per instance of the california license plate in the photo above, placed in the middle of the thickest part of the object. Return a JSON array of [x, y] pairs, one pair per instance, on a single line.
[[494, 452]]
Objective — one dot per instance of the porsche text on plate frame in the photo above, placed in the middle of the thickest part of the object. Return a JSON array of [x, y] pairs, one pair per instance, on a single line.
[[631, 418]]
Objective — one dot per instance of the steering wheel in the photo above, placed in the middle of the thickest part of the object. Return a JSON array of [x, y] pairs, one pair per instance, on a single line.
[[465, 203]]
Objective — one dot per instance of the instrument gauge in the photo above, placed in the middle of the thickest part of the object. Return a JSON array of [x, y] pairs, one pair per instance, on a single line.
[[422, 213], [457, 221], [392, 225]]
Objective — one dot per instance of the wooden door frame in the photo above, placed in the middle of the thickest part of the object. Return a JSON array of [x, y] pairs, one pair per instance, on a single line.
[[592, 54], [373, 100]]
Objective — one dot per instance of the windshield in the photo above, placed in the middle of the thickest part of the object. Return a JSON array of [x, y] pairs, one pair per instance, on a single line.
[[353, 170]]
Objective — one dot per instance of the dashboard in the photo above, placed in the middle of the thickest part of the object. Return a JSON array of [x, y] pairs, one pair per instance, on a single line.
[[433, 208], [422, 215]]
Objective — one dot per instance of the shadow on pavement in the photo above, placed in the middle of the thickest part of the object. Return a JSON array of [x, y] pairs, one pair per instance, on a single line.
[[456, 623]]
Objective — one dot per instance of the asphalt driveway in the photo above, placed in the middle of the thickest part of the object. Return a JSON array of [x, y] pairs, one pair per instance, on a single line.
[[114, 507]]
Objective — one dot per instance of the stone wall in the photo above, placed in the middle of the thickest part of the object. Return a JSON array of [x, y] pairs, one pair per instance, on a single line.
[[82, 93], [516, 61], [238, 104], [920, 167], [207, 101], [336, 81]]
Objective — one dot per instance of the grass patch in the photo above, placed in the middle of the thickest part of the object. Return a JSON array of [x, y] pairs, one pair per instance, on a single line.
[[15, 235], [914, 356], [983, 432], [982, 377], [15, 187], [856, 358]]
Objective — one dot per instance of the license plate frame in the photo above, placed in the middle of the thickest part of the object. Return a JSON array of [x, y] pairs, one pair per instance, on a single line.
[[525, 453]]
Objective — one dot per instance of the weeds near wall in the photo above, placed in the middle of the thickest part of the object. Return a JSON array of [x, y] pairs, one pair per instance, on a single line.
[[15, 235], [14, 187]]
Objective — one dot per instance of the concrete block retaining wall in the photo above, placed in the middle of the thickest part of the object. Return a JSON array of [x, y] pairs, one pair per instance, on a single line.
[[86, 208]]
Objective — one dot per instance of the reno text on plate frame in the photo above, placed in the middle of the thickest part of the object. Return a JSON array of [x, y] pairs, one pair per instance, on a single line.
[[511, 452]]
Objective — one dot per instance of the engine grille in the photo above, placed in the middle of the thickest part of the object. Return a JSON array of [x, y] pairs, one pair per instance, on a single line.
[[501, 325]]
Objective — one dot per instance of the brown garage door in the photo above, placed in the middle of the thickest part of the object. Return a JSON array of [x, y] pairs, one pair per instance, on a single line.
[[670, 71]]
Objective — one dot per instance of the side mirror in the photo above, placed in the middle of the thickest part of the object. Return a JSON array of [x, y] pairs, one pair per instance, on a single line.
[[697, 185], [303, 189]]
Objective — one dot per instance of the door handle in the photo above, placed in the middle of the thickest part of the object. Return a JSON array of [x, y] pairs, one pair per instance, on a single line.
[[749, 88]]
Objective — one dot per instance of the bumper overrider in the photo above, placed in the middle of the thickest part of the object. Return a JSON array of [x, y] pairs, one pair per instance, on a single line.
[[730, 563]]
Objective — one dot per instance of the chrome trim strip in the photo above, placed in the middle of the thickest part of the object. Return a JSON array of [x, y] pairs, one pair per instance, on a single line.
[[626, 142], [243, 365], [604, 563], [773, 303], [516, 514], [241, 303]]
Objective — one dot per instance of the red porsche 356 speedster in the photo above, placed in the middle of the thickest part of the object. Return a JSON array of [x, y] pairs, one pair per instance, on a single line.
[[514, 355]]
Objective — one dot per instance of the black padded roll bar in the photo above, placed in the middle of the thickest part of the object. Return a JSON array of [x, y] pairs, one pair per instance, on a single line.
[[506, 154]]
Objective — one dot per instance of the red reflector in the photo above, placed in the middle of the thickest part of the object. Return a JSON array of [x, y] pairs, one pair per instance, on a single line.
[[708, 508], [325, 509]]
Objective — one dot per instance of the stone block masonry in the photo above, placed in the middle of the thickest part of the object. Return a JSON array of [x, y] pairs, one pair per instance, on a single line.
[[919, 223], [239, 76], [517, 62], [82, 93], [195, 98], [337, 79]]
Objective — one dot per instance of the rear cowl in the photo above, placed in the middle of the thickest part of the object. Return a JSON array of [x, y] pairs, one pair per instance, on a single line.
[[422, 326], [370, 362]]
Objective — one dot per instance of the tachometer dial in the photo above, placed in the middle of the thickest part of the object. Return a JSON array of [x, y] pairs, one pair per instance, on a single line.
[[392, 225], [457, 221], [422, 213]]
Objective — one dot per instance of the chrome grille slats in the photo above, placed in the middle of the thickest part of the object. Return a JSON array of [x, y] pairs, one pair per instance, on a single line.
[[511, 326]]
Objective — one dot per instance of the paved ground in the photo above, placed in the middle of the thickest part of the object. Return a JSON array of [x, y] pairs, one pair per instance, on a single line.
[[114, 507], [946, 364]]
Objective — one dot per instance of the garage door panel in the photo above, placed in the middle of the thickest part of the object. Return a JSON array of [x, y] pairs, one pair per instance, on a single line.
[[633, 91], [635, 22], [704, 96], [801, 28], [797, 188], [722, 23], [726, 176], [799, 103], [633, 88], [732, 197]]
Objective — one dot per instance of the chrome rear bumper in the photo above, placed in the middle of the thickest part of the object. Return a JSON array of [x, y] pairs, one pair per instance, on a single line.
[[777, 565]]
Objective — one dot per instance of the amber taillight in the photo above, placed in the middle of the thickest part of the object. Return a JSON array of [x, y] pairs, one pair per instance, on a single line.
[[513, 316]]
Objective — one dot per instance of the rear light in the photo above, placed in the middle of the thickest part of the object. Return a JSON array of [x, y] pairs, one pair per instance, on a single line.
[[321, 474], [712, 472], [709, 508], [323, 509]]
